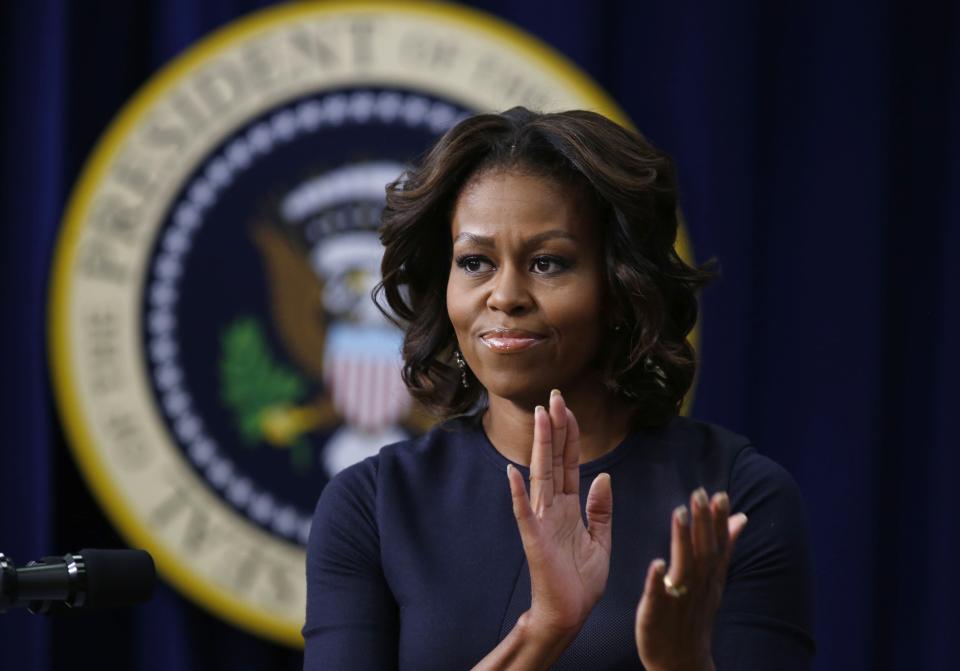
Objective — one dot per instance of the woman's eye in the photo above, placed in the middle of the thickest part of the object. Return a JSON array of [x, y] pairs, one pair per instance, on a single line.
[[474, 264], [547, 265]]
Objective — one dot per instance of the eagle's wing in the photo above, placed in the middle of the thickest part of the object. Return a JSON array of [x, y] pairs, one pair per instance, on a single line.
[[296, 294]]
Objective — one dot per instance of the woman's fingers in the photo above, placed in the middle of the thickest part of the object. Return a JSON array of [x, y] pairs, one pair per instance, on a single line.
[[600, 511], [703, 548], [678, 604], [541, 461], [735, 525], [720, 507], [571, 456], [704, 535], [653, 590], [681, 547], [558, 422], [521, 504]]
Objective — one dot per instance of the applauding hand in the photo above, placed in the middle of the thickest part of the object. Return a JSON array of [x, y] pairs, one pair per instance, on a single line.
[[568, 562], [675, 618]]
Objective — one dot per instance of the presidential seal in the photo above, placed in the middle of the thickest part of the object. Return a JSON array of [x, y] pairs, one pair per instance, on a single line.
[[216, 355]]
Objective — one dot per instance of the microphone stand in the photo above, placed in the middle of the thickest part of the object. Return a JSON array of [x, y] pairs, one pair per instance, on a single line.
[[42, 584], [8, 582]]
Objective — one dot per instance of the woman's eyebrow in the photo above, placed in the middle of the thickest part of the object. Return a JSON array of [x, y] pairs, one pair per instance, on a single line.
[[533, 241], [481, 240], [549, 235]]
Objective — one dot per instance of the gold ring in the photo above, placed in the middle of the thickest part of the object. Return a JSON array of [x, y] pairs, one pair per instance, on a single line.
[[675, 591]]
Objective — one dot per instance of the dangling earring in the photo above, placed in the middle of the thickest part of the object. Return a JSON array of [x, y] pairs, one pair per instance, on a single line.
[[659, 377], [462, 365]]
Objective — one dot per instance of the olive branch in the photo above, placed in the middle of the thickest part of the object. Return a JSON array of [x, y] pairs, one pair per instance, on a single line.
[[254, 384]]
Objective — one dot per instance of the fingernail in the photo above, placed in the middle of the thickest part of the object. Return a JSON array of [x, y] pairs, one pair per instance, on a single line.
[[701, 496], [683, 517], [723, 500], [539, 409], [554, 392], [509, 468]]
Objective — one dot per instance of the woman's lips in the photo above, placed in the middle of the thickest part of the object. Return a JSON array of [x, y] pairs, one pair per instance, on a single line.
[[510, 341]]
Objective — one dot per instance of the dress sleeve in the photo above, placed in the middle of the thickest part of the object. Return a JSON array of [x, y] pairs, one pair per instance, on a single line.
[[766, 618], [351, 620]]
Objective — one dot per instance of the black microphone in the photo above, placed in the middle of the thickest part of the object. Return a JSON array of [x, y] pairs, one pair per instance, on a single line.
[[89, 578]]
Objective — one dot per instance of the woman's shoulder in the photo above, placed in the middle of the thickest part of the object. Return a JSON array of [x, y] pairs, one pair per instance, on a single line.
[[416, 455], [442, 437], [400, 479], [728, 459], [696, 448], [698, 436]]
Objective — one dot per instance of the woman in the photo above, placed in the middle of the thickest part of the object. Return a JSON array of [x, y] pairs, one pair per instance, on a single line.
[[530, 260]]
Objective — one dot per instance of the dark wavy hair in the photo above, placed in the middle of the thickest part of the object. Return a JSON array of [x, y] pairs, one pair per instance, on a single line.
[[650, 290]]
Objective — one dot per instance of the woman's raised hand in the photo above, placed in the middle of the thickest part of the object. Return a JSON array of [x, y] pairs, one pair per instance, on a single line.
[[568, 562], [675, 618]]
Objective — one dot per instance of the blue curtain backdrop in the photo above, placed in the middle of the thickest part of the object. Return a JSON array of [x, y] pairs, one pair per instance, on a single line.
[[819, 153]]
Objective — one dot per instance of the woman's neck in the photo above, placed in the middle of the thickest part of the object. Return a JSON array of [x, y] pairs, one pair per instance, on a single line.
[[603, 419]]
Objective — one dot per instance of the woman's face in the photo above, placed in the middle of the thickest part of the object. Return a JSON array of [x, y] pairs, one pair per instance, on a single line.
[[526, 291]]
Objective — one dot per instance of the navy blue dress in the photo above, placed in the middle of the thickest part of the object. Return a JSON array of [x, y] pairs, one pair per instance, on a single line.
[[415, 563]]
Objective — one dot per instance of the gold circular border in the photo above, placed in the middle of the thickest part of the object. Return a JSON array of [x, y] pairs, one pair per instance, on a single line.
[[80, 441]]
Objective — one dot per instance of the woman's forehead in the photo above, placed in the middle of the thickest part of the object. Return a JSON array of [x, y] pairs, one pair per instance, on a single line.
[[509, 203]]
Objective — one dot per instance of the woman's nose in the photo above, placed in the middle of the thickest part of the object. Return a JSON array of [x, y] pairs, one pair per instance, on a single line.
[[510, 293]]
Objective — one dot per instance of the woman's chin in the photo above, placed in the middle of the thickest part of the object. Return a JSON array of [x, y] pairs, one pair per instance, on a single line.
[[529, 391], [525, 395]]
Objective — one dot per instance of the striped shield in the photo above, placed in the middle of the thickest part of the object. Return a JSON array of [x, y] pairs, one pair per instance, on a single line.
[[362, 372]]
